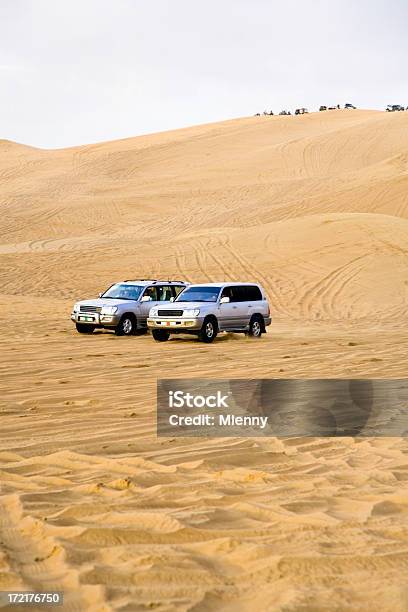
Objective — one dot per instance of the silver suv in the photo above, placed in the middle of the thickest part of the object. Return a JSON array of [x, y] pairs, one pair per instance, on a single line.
[[124, 307], [207, 309]]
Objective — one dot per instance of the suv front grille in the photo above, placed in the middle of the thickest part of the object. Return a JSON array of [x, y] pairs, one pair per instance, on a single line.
[[90, 308], [170, 313]]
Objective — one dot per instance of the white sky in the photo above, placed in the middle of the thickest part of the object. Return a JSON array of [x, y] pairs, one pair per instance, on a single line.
[[81, 71]]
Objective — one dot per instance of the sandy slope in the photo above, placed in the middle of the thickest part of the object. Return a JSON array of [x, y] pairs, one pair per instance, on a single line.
[[315, 208]]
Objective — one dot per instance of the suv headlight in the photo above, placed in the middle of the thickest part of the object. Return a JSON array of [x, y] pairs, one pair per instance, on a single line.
[[153, 312], [109, 310], [192, 312], [76, 307]]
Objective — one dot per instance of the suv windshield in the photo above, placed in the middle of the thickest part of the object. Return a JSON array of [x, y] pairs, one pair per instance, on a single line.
[[199, 294], [123, 292]]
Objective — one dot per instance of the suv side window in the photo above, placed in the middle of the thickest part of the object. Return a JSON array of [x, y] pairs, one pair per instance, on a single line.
[[227, 292], [177, 289], [151, 292], [236, 293], [164, 293], [241, 293], [254, 293]]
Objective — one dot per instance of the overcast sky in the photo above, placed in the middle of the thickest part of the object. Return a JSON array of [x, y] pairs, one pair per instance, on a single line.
[[82, 71]]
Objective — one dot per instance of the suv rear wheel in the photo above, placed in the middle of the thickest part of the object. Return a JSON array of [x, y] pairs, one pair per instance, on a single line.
[[85, 329], [160, 335], [256, 327], [126, 326], [208, 331]]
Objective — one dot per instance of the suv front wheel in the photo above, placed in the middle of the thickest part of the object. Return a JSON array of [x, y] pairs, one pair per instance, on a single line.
[[126, 326], [160, 335], [208, 331]]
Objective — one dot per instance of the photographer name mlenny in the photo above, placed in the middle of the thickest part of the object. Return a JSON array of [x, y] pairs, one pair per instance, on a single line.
[[221, 420]]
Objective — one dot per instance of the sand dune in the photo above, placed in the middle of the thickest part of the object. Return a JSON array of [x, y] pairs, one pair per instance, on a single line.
[[313, 207]]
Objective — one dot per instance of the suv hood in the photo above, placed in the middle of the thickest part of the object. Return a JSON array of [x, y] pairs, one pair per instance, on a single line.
[[104, 302], [185, 305]]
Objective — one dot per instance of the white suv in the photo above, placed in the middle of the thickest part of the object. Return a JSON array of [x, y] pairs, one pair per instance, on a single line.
[[205, 310], [124, 307]]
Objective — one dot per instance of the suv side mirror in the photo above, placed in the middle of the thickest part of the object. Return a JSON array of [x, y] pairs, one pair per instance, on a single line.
[[172, 299], [100, 294], [224, 300], [146, 298]]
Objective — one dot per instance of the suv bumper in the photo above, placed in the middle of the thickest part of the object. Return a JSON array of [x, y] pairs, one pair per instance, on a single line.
[[268, 320], [95, 318], [175, 323]]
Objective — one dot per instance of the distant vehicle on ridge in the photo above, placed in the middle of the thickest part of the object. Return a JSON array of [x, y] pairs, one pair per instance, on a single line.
[[392, 108]]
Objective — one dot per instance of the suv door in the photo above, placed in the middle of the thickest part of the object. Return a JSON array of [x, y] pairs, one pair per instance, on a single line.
[[232, 315], [145, 307]]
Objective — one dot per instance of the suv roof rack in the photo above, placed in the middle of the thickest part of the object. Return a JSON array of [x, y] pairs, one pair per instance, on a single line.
[[153, 280]]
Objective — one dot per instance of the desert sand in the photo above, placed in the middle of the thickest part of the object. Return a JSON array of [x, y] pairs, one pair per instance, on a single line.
[[92, 502]]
